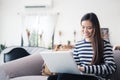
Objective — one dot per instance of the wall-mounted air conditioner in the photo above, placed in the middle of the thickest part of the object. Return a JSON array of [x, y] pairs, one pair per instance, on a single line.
[[38, 3]]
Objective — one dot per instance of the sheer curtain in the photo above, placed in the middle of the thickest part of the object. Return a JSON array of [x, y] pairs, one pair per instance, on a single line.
[[38, 30]]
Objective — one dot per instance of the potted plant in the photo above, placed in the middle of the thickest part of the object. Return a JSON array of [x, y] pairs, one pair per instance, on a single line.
[[2, 47]]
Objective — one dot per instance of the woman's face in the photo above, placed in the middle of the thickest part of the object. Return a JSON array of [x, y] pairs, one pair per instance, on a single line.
[[87, 29]]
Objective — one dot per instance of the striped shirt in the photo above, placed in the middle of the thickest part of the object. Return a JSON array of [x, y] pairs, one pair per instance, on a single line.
[[83, 53]]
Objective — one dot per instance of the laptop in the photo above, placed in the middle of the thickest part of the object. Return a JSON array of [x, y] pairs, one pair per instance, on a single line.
[[60, 62]]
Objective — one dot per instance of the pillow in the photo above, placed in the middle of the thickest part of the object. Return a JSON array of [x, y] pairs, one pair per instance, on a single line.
[[3, 75], [15, 53]]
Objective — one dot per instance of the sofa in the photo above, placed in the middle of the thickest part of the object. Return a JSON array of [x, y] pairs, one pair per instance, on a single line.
[[30, 68], [26, 68]]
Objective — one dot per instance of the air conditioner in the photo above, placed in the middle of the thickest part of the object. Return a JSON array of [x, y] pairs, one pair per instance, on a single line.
[[38, 3]]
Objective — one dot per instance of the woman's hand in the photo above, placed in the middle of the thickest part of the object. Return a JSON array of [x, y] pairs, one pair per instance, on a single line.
[[81, 68]]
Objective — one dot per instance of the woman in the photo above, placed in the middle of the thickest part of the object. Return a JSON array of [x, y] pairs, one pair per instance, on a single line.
[[93, 55]]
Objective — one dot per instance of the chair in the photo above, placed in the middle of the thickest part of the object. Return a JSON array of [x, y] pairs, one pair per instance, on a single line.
[[116, 75], [15, 53]]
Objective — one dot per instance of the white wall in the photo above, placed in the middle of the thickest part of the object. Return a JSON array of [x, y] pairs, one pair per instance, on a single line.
[[71, 11]]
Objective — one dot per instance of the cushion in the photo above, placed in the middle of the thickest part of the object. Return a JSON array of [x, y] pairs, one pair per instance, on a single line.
[[3, 75], [15, 53]]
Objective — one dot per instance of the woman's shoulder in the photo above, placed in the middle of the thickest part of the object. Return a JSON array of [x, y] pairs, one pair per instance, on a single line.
[[106, 42]]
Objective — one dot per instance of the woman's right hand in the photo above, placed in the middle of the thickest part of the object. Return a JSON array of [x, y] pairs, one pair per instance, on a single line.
[[81, 68]]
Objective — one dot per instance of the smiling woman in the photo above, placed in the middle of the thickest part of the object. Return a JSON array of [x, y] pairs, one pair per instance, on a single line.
[[93, 54]]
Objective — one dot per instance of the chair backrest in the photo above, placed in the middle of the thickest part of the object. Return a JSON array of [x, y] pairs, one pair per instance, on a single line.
[[116, 75], [15, 53]]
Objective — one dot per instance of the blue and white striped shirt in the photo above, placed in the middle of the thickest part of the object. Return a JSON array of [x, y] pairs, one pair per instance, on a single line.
[[83, 53]]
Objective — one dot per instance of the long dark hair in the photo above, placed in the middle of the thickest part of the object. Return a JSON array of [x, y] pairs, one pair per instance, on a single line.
[[97, 41]]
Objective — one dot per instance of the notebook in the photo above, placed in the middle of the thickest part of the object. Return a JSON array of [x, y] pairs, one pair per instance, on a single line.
[[60, 62]]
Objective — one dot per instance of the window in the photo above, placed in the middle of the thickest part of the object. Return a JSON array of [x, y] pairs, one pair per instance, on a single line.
[[38, 30]]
